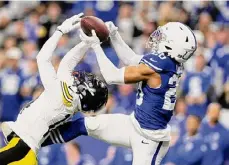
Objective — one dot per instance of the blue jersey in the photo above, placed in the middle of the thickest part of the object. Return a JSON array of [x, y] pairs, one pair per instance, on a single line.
[[50, 155], [189, 150], [154, 106], [195, 84], [122, 156], [217, 139], [177, 123], [11, 100], [31, 82]]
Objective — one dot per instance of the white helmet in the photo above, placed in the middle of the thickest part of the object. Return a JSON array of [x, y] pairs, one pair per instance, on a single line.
[[174, 38]]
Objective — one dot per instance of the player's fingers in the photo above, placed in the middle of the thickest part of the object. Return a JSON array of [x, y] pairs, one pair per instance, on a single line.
[[93, 33], [76, 25], [80, 15], [111, 27], [108, 24], [76, 18], [83, 36], [82, 33]]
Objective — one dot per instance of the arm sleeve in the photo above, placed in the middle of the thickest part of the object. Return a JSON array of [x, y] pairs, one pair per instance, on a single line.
[[70, 60], [47, 72], [124, 52], [111, 74]]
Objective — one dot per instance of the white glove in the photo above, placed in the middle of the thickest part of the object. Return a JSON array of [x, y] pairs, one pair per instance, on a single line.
[[112, 28], [70, 24], [93, 40]]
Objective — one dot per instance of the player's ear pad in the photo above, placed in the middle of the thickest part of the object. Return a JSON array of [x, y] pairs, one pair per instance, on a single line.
[[16, 150]]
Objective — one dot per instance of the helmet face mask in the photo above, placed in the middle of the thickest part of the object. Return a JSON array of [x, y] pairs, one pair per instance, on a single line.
[[186, 55], [174, 38], [92, 91]]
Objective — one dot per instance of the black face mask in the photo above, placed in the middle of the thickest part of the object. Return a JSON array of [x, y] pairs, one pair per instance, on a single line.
[[92, 91]]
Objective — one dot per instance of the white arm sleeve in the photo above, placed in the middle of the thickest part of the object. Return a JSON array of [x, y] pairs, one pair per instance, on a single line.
[[111, 74], [70, 60], [124, 52], [46, 69]]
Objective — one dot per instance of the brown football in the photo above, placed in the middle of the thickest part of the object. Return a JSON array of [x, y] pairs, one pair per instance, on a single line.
[[89, 23]]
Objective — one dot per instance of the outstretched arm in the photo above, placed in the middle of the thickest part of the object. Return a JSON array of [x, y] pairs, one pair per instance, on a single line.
[[124, 52], [113, 75], [70, 60], [46, 69], [125, 75]]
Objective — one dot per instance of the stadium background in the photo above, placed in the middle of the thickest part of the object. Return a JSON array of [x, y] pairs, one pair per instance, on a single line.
[[25, 26]]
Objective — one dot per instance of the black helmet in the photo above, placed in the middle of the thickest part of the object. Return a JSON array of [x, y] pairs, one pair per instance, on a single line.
[[92, 91]]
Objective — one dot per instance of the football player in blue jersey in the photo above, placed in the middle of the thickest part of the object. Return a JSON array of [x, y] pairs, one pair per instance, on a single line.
[[146, 130]]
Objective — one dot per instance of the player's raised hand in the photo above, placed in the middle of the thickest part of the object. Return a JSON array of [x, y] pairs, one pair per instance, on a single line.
[[70, 24], [90, 40], [112, 28]]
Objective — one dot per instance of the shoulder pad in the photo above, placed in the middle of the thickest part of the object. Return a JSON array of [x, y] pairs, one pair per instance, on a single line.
[[159, 62]]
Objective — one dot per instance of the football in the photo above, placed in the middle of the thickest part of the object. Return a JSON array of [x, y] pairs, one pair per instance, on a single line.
[[89, 23]]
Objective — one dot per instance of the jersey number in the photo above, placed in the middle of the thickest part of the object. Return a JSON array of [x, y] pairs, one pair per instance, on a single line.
[[170, 95]]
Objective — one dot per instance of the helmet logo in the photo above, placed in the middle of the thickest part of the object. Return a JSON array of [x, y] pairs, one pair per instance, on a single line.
[[91, 90], [155, 38]]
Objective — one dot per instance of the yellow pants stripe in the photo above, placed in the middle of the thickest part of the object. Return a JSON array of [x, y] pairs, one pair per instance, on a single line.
[[28, 159], [11, 144]]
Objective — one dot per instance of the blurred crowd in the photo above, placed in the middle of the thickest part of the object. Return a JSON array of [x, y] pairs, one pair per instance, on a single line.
[[199, 126]]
